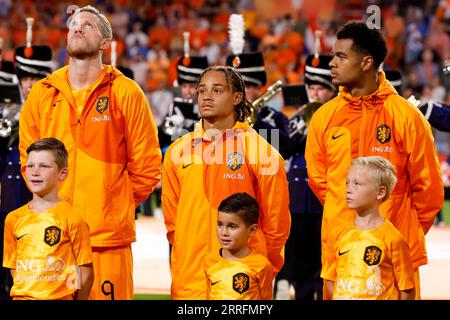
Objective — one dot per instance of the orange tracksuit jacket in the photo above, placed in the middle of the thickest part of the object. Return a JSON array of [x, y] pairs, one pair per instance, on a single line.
[[197, 175], [114, 155], [382, 124]]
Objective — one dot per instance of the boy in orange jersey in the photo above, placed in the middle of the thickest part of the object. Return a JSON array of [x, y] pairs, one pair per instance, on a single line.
[[370, 258], [46, 242], [237, 272]]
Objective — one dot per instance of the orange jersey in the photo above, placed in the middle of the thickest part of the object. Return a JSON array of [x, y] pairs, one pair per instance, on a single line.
[[114, 154], [44, 249], [368, 264], [197, 175], [249, 278], [381, 124]]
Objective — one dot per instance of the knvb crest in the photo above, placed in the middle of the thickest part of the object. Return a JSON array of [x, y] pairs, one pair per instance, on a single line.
[[234, 161], [383, 133], [102, 104], [52, 236], [372, 255], [241, 282]]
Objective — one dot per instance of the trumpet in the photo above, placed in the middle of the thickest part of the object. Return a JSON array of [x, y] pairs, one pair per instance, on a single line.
[[261, 101]]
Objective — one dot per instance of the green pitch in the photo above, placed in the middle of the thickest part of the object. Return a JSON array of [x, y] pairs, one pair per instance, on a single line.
[[151, 297], [446, 212]]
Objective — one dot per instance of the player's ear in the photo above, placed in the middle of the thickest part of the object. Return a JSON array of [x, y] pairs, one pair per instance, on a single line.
[[381, 192], [105, 44], [253, 228], [367, 63], [237, 98], [63, 173]]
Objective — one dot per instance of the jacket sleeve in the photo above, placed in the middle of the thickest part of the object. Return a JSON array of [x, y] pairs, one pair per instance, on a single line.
[[9, 244], [273, 197], [437, 114], [316, 158], [265, 283], [79, 239], [29, 124], [170, 194], [144, 153], [424, 171]]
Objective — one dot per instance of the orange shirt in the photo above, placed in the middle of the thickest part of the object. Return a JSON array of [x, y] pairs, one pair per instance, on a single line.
[[368, 264], [44, 249], [80, 95], [249, 278]]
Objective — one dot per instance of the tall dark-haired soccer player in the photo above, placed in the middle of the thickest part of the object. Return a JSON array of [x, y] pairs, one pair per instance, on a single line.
[[369, 118]]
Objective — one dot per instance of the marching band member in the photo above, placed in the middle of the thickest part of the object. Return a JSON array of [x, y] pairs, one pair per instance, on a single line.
[[251, 67], [184, 111], [32, 63]]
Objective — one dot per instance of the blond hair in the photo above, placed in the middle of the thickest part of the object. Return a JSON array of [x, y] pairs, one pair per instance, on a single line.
[[381, 171], [104, 26]]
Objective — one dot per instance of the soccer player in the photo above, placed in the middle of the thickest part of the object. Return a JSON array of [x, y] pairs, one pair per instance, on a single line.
[[367, 118], [105, 122], [223, 156]]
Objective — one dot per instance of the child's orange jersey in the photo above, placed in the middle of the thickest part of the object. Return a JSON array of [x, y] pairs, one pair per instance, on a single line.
[[44, 249], [249, 278], [368, 264]]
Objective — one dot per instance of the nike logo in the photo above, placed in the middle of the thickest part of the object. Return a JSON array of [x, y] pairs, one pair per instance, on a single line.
[[187, 165], [18, 238], [341, 253], [213, 283], [335, 137]]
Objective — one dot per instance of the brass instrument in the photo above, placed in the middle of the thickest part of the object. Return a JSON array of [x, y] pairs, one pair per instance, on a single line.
[[11, 101], [261, 101]]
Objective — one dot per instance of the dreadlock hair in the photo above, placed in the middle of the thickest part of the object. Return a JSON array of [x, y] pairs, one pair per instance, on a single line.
[[234, 80]]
